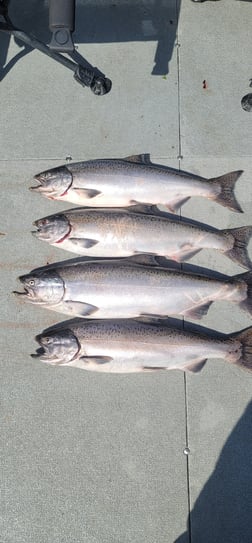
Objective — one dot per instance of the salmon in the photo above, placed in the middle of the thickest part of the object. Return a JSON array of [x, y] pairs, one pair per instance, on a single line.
[[103, 232], [128, 346], [130, 288], [133, 180]]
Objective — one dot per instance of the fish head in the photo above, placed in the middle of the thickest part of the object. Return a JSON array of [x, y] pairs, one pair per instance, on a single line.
[[52, 229], [58, 347], [53, 183], [43, 288]]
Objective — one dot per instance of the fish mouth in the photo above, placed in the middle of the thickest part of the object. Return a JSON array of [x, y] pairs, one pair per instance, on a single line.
[[47, 351], [37, 234], [44, 354], [53, 183], [25, 294], [40, 233], [44, 232], [47, 358], [40, 179]]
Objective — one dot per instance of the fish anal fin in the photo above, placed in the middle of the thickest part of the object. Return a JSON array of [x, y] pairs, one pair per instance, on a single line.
[[86, 193], [139, 159], [186, 253], [153, 368], [79, 309], [196, 367], [199, 311], [84, 242], [174, 205]]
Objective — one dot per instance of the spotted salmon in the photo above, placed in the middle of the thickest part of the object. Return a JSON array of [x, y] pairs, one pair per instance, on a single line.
[[130, 181], [126, 346]]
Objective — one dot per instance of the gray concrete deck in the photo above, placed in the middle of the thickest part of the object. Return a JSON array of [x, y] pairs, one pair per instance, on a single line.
[[91, 458]]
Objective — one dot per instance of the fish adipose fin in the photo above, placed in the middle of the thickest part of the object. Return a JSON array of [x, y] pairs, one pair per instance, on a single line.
[[246, 305], [79, 309], [239, 251], [199, 311], [87, 193], [174, 205], [226, 184], [139, 159], [85, 243], [245, 338], [195, 367]]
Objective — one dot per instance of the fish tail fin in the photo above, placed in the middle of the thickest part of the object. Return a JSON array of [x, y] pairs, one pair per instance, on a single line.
[[247, 304], [225, 195], [239, 252], [245, 338]]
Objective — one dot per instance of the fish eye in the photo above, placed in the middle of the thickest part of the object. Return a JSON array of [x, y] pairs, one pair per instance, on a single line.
[[44, 222], [31, 282], [47, 340]]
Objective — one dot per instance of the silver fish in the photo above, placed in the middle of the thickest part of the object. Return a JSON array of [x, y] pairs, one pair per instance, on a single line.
[[125, 232], [128, 289], [132, 180], [128, 346]]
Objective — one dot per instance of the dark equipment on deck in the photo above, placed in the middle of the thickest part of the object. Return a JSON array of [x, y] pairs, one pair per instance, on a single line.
[[61, 24]]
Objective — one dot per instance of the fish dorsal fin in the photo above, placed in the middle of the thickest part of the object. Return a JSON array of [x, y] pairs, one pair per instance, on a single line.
[[143, 260], [148, 209], [145, 209], [152, 319], [139, 159]]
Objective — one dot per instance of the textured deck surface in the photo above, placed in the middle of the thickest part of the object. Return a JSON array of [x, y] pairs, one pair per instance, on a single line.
[[91, 458]]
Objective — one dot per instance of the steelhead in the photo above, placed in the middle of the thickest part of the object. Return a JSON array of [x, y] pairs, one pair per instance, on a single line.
[[132, 180], [127, 289], [128, 346], [125, 232]]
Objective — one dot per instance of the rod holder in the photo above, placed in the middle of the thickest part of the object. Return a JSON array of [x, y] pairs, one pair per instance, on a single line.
[[61, 24]]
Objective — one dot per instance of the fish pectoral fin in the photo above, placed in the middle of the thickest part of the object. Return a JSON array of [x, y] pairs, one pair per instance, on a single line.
[[84, 242], [80, 309], [139, 159], [199, 311], [153, 368], [195, 367], [175, 204], [186, 253], [87, 193], [96, 359]]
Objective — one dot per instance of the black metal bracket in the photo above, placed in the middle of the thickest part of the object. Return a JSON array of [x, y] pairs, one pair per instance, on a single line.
[[61, 22]]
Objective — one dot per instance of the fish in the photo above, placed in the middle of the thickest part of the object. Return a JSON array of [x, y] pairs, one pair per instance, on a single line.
[[123, 232], [130, 181], [130, 288], [128, 346]]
